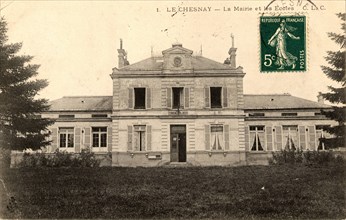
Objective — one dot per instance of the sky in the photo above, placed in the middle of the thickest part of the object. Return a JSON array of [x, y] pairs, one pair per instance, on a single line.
[[76, 42]]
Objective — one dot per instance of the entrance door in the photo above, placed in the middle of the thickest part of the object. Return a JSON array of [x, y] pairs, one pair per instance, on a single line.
[[178, 143]]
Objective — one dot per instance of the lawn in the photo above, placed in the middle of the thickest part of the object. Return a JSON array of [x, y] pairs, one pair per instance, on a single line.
[[279, 192]]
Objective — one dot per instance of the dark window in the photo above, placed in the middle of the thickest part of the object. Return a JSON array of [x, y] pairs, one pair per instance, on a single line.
[[178, 97], [322, 127], [215, 97], [66, 137], [66, 116], [289, 114], [257, 114], [99, 115], [139, 98], [99, 136]]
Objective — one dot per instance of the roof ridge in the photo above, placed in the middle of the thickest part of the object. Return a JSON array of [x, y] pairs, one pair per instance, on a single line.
[[89, 96], [278, 94], [209, 59], [136, 62]]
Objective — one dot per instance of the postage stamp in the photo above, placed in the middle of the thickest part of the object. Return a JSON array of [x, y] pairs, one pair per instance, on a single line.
[[283, 43]]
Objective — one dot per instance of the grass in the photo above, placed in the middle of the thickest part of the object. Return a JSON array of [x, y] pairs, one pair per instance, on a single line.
[[195, 192]]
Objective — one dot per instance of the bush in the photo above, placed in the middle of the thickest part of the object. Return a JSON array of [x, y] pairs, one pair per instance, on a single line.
[[60, 159], [310, 158], [86, 159], [5, 157], [287, 157]]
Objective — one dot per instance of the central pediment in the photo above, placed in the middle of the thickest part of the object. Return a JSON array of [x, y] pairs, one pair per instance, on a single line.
[[177, 48], [177, 58]]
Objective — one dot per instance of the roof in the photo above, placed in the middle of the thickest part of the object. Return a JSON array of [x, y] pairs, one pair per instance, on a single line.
[[156, 63], [82, 103], [251, 102], [279, 101]]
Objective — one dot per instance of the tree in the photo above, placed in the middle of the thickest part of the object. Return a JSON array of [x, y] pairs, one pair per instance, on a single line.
[[20, 124], [336, 72]]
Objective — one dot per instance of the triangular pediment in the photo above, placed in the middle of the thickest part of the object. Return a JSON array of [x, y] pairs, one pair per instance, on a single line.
[[177, 49]]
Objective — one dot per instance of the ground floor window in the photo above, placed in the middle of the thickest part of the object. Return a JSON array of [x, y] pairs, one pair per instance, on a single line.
[[216, 137], [66, 137], [99, 135], [321, 134], [257, 138], [139, 138], [290, 133]]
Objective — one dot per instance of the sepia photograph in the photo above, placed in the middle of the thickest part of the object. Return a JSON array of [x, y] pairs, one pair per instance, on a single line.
[[172, 109]]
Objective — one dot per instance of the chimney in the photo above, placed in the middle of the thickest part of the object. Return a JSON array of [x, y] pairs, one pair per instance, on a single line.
[[122, 56], [320, 98], [232, 54]]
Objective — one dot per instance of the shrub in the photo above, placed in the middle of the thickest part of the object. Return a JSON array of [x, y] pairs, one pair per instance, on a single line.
[[310, 158], [86, 159], [60, 159], [287, 157], [5, 157]]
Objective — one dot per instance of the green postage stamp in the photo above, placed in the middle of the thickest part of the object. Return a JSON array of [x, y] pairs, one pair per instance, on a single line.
[[283, 43]]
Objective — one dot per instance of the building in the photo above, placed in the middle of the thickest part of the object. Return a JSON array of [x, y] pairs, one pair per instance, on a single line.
[[182, 108]]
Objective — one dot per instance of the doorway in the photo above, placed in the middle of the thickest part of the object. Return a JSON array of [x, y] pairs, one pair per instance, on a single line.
[[178, 143]]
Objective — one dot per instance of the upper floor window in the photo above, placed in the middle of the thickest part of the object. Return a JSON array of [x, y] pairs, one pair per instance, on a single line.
[[215, 97], [289, 114], [66, 116], [99, 115], [139, 98], [257, 114], [178, 97], [66, 137], [99, 136]]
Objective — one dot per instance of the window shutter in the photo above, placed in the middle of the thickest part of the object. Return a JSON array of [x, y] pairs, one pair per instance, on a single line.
[[187, 97], [207, 97], [225, 97], [226, 130], [78, 139], [312, 138], [302, 140], [278, 133], [54, 143], [268, 131], [131, 98], [148, 93], [149, 138], [129, 138], [169, 97], [109, 139], [247, 136], [87, 137], [207, 137]]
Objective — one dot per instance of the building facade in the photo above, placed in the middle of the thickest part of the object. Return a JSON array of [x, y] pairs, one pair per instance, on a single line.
[[182, 108]]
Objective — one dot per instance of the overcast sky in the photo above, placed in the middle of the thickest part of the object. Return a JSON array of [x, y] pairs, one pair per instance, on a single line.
[[75, 42]]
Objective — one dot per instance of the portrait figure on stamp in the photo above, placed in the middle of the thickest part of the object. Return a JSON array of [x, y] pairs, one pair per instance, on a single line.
[[278, 40], [283, 46]]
